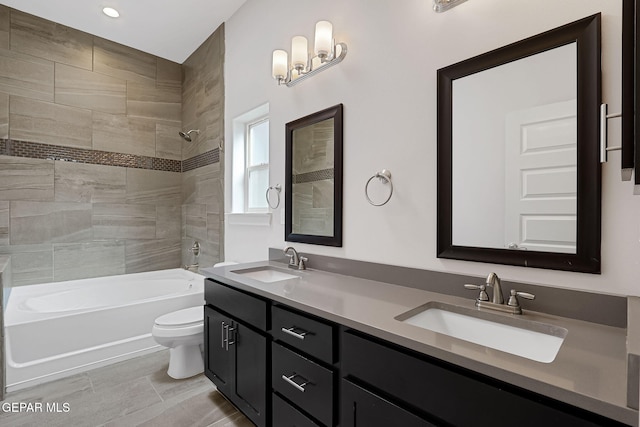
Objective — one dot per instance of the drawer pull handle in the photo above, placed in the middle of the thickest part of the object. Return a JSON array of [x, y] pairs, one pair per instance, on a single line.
[[290, 380], [223, 327], [290, 331]]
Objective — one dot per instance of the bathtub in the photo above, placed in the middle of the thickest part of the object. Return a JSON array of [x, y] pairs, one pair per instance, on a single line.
[[58, 329]]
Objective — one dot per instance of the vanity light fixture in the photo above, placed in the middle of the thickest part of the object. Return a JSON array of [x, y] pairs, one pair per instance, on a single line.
[[444, 5], [110, 12], [304, 64]]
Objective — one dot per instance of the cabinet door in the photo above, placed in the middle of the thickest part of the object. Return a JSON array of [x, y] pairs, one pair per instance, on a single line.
[[218, 357], [251, 371], [361, 408]]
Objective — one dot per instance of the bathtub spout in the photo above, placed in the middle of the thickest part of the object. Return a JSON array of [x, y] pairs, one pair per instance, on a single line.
[[190, 266]]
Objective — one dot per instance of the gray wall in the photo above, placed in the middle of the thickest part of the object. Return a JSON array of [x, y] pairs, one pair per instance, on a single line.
[[88, 97], [202, 189]]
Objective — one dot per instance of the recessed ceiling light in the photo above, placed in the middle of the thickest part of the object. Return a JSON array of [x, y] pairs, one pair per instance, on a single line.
[[111, 12]]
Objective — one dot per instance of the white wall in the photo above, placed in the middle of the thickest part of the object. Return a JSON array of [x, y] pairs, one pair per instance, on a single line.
[[387, 84]]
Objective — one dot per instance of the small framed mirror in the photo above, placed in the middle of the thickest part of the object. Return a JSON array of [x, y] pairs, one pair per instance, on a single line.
[[313, 181], [518, 152]]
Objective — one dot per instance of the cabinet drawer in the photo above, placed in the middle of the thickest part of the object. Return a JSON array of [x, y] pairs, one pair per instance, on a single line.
[[242, 306], [361, 408], [454, 395], [305, 383], [309, 335], [285, 415]]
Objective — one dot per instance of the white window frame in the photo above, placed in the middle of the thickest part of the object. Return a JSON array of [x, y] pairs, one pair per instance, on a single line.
[[239, 159], [252, 168]]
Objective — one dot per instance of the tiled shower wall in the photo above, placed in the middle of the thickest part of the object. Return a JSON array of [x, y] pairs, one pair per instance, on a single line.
[[94, 179], [202, 189]]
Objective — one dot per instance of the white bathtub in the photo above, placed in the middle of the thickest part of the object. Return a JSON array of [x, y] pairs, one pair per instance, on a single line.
[[59, 329]]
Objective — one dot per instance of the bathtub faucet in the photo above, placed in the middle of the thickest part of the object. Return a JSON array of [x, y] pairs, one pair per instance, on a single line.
[[195, 249]]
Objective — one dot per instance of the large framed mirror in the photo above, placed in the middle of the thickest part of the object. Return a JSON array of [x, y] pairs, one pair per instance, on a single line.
[[519, 177], [313, 181]]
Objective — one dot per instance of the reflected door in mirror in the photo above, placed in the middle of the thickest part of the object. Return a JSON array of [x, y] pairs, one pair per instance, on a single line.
[[514, 154], [518, 152]]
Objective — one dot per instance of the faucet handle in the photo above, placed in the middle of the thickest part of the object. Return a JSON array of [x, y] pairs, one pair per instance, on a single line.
[[301, 263], [482, 288], [513, 298]]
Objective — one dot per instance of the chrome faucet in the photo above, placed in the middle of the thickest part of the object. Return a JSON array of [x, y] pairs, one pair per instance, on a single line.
[[497, 303], [195, 249], [295, 261], [493, 281]]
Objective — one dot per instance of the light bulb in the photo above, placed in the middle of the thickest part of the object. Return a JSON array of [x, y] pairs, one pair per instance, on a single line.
[[299, 52], [279, 64], [324, 38]]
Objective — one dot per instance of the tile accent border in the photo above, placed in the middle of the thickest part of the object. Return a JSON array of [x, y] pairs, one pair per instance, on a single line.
[[610, 310], [200, 160], [313, 176], [36, 150]]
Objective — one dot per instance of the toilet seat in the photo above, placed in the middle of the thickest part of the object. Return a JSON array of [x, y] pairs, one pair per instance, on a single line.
[[181, 323], [191, 316]]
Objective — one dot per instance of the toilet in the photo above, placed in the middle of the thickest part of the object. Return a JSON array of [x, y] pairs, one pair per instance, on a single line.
[[183, 332]]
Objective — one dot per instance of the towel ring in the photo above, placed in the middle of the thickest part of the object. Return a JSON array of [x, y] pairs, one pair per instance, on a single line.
[[384, 176], [278, 189]]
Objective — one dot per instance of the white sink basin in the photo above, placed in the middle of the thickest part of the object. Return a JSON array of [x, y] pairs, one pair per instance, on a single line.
[[533, 340], [266, 274]]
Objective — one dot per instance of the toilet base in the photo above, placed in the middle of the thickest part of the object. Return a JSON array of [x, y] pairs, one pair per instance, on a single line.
[[185, 361]]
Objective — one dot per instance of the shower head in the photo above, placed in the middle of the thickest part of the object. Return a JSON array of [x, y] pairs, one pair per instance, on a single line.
[[187, 135]]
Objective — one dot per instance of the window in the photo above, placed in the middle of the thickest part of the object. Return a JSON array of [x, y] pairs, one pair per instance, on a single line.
[[250, 161], [257, 165]]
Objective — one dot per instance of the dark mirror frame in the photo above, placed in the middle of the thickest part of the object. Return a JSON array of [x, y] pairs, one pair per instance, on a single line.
[[334, 112], [586, 34]]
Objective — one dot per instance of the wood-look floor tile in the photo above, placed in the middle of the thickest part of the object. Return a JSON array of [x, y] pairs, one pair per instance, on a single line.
[[235, 420], [139, 367], [135, 392]]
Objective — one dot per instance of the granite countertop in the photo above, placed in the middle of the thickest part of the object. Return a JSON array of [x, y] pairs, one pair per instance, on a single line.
[[589, 371]]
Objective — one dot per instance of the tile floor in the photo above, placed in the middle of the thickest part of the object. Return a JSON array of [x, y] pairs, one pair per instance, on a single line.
[[136, 392]]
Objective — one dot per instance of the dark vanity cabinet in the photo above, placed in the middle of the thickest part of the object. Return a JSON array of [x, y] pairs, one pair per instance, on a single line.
[[236, 349], [384, 382], [283, 367], [303, 373]]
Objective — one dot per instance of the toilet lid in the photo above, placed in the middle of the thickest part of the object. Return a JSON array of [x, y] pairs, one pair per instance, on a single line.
[[185, 317]]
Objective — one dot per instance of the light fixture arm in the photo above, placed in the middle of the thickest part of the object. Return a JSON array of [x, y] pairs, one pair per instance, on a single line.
[[326, 53], [329, 61]]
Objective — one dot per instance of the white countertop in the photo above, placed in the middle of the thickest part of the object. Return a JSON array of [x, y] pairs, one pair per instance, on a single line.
[[590, 370]]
